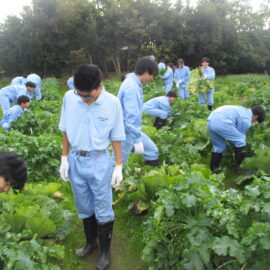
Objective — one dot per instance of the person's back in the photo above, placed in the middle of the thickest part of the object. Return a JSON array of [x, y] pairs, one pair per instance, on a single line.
[[15, 112], [34, 78], [161, 103], [11, 91], [18, 81], [70, 83], [237, 116], [12, 114], [131, 98]]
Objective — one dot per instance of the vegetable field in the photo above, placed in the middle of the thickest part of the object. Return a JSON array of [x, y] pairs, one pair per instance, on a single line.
[[176, 217]]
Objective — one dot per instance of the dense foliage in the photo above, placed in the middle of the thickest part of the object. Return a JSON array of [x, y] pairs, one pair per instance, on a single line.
[[54, 36], [192, 219]]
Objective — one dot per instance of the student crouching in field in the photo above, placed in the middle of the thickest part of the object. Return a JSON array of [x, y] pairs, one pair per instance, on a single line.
[[15, 112], [11, 93], [160, 107]]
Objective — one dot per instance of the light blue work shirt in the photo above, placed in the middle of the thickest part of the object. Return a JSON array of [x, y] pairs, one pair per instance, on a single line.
[[209, 72], [229, 123], [168, 79], [12, 114], [236, 116], [93, 127], [34, 78], [158, 107], [70, 83], [13, 92], [131, 98], [161, 66], [182, 74], [18, 81]]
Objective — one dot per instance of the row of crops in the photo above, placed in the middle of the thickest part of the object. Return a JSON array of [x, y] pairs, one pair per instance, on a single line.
[[191, 219]]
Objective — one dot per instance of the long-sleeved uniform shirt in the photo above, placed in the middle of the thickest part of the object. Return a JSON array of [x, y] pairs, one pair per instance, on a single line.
[[182, 74], [236, 116], [18, 81], [131, 98], [37, 81], [12, 114], [209, 72], [13, 92], [158, 107]]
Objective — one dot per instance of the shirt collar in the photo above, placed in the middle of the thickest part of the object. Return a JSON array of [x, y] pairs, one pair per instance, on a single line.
[[98, 101], [136, 79], [101, 97]]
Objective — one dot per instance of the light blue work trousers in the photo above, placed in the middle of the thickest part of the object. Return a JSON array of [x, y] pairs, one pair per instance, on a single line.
[[150, 149], [184, 94], [91, 184], [209, 96], [168, 86], [221, 131]]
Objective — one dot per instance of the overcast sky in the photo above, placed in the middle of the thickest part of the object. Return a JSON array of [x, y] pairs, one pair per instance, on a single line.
[[14, 7]]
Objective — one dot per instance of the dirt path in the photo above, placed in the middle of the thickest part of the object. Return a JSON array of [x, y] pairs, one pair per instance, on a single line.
[[126, 248]]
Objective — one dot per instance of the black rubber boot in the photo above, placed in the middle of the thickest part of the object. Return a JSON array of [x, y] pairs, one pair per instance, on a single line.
[[215, 160], [90, 230], [239, 156], [104, 237], [210, 107], [153, 163], [159, 123]]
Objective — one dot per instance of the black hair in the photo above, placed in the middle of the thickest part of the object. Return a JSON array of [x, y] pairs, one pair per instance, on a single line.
[[171, 94], [87, 77], [205, 59], [30, 84], [260, 112], [23, 99], [13, 168], [145, 64], [180, 61], [170, 65]]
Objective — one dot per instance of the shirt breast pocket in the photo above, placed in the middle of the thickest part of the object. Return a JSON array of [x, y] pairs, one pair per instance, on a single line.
[[103, 124]]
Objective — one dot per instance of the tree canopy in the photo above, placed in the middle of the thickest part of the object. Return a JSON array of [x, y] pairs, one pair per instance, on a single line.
[[54, 36]]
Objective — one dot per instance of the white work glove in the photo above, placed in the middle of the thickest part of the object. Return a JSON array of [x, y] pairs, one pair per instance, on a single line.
[[180, 81], [205, 76], [64, 168], [177, 84], [117, 176], [139, 149]]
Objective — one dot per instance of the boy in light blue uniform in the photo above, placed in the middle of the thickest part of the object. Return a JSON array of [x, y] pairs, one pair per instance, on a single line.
[[208, 74], [70, 83], [18, 81], [91, 118], [131, 97], [168, 78], [34, 78], [15, 112], [181, 78], [160, 107], [11, 93], [231, 123]]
